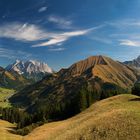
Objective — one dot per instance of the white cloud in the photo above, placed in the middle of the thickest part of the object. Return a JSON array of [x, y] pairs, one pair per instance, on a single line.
[[124, 23], [57, 49], [54, 41], [26, 32], [60, 22], [23, 32], [42, 9], [130, 43], [57, 39]]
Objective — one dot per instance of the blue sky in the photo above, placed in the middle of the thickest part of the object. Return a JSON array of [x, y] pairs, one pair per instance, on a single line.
[[61, 32]]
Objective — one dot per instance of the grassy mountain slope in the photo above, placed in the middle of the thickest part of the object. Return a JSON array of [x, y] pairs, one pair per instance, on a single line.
[[115, 72], [11, 80], [96, 73], [110, 119], [106, 69]]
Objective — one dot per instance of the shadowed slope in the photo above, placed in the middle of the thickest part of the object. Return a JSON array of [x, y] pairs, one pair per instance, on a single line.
[[110, 119]]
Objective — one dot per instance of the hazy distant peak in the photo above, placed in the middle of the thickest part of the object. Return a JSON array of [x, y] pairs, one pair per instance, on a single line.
[[134, 63], [17, 61]]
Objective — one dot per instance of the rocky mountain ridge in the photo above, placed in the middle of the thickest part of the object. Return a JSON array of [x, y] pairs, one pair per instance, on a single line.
[[98, 74], [31, 69]]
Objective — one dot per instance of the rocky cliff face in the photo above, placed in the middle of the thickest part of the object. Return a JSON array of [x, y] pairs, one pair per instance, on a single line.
[[134, 63]]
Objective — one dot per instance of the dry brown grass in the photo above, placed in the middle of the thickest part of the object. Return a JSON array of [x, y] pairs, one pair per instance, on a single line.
[[115, 72], [5, 134], [116, 118]]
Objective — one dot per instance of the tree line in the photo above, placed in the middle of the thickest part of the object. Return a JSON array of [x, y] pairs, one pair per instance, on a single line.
[[58, 111], [136, 89]]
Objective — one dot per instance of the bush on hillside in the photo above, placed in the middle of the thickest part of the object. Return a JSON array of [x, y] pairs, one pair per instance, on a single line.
[[136, 89]]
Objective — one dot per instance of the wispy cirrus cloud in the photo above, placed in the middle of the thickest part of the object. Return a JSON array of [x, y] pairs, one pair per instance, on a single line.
[[61, 22], [125, 32], [26, 32], [11, 54], [56, 39], [22, 32], [131, 43], [124, 23], [42, 9], [56, 49]]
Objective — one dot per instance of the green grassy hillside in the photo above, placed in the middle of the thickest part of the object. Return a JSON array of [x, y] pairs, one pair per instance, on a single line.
[[12, 80], [4, 95]]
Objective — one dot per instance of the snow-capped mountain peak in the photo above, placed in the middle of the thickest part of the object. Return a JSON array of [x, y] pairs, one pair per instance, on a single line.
[[33, 66], [134, 63], [30, 68]]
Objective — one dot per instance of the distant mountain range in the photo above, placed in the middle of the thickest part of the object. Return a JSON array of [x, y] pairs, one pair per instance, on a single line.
[[31, 69], [95, 74], [134, 63], [95, 68]]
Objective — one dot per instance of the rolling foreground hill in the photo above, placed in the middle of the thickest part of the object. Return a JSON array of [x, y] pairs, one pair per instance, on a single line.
[[96, 73], [110, 119], [115, 118], [5, 128]]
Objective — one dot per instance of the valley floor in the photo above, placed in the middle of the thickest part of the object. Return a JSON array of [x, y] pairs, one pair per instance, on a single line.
[[4, 95], [115, 118]]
